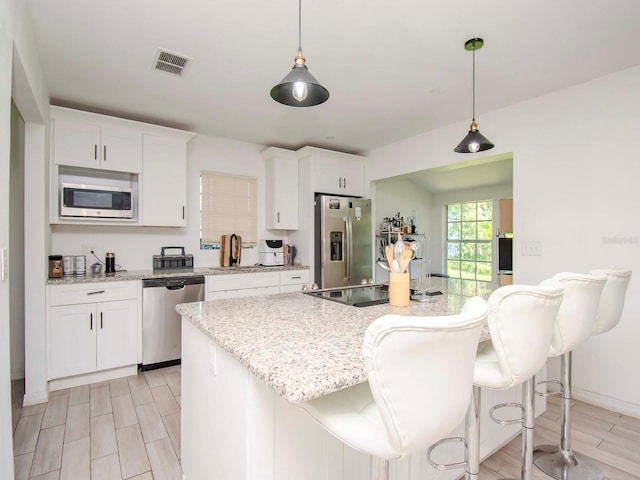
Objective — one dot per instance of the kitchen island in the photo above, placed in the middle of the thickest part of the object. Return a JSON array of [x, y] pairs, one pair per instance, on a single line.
[[246, 364]]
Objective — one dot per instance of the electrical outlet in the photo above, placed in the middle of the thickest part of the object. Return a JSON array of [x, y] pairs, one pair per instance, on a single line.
[[87, 248]]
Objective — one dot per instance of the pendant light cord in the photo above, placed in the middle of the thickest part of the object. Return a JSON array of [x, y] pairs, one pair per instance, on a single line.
[[473, 95], [300, 25]]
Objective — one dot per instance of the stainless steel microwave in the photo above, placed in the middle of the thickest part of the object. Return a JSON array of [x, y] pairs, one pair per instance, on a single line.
[[95, 201]]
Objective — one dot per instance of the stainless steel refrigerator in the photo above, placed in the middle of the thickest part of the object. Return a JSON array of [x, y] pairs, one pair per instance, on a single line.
[[343, 253]]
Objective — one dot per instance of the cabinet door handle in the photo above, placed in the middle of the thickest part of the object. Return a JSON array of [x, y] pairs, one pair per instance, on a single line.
[[97, 292], [183, 212], [100, 320], [296, 278], [344, 182], [104, 156], [95, 151], [91, 321], [278, 217]]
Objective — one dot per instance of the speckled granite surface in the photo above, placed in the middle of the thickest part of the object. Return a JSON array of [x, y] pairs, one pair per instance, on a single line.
[[301, 346], [140, 274]]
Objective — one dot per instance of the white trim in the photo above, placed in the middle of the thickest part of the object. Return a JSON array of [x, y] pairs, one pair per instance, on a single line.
[[603, 401], [101, 376], [34, 398]]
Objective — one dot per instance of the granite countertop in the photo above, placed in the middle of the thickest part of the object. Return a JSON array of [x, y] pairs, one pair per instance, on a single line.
[[142, 274], [303, 347]]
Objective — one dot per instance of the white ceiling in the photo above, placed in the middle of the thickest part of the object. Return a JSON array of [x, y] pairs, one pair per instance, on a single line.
[[394, 69]]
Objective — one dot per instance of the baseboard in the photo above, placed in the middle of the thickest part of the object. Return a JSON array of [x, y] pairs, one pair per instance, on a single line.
[[101, 376], [34, 398], [613, 404]]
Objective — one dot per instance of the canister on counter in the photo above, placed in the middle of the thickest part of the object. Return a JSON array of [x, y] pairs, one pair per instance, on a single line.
[[110, 263], [55, 266]]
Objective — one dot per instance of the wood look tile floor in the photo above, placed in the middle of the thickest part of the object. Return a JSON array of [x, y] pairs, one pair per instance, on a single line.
[[130, 429], [127, 428]]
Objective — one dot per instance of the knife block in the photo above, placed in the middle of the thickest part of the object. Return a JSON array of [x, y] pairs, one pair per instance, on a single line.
[[399, 289]]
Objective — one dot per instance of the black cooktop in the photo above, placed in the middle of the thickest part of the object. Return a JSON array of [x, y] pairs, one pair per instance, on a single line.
[[356, 296]]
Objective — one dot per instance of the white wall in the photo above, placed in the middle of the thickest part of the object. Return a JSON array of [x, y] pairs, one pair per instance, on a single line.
[[16, 243], [406, 197], [6, 439], [575, 189]]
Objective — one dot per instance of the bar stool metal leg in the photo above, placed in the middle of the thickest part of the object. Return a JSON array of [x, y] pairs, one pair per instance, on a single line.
[[563, 463], [472, 435]]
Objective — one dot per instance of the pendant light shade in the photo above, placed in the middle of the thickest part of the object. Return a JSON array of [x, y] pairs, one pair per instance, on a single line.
[[299, 88], [474, 141]]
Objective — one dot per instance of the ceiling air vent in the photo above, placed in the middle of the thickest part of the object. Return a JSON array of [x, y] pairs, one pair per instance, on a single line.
[[171, 62]]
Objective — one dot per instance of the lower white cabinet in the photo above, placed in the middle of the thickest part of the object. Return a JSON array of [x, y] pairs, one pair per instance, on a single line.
[[293, 280], [254, 284], [92, 327], [241, 285]]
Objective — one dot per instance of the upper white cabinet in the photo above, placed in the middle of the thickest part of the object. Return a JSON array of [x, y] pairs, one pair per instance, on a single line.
[[333, 172], [93, 149], [281, 196], [164, 181], [85, 142]]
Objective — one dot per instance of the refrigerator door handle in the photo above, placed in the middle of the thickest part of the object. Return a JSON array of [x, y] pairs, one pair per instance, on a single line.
[[348, 247]]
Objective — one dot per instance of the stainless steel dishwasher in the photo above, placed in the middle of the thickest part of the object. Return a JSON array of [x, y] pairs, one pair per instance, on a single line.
[[161, 329]]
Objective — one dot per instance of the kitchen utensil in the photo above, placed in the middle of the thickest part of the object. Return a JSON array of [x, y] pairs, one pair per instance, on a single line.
[[398, 248], [395, 266], [384, 265], [405, 258], [388, 251]]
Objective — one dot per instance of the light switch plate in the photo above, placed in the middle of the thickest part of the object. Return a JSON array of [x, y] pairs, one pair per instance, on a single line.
[[4, 264], [532, 248]]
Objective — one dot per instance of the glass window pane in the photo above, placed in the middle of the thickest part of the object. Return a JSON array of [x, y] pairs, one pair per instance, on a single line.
[[453, 212], [453, 250], [453, 231], [453, 268], [468, 251], [483, 271], [453, 285], [469, 211], [469, 230], [483, 252], [485, 210], [468, 270], [484, 230]]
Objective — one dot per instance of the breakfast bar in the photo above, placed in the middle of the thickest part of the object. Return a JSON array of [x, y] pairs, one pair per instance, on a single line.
[[246, 363]]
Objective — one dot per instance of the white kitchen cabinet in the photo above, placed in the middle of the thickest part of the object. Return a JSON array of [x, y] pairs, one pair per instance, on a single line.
[[293, 280], [92, 327], [164, 181], [333, 172], [86, 143], [281, 189], [241, 285]]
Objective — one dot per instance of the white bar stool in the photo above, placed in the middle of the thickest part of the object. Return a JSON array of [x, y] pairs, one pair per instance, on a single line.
[[420, 375], [575, 324], [521, 321]]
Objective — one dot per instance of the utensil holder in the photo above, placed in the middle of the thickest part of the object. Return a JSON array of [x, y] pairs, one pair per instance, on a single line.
[[399, 289]]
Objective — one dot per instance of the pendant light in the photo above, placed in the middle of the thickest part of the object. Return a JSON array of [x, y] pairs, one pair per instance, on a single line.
[[299, 88], [474, 141]]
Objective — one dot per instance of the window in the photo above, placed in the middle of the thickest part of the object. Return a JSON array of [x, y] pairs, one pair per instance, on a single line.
[[228, 204], [469, 235]]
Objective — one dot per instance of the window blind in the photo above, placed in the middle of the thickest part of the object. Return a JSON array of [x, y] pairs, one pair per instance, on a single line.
[[228, 204]]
